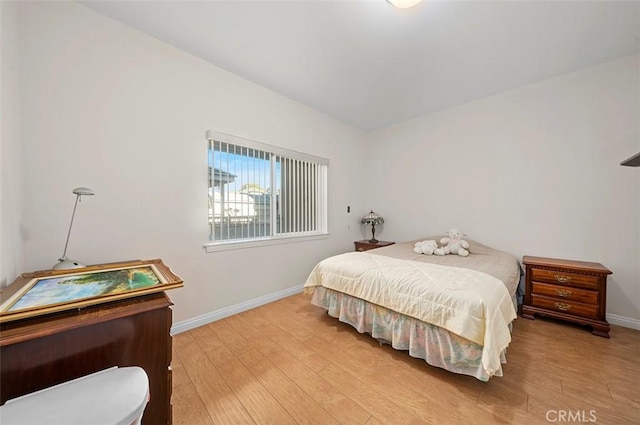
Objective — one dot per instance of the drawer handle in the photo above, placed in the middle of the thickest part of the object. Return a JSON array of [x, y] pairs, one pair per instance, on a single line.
[[562, 279], [563, 292], [562, 306]]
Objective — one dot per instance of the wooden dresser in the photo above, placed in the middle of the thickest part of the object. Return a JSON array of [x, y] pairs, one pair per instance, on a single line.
[[366, 245], [42, 351], [570, 290]]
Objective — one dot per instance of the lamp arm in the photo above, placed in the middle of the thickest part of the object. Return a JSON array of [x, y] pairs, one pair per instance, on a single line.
[[64, 254]]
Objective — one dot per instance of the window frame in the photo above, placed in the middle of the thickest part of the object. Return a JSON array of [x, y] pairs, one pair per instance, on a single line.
[[322, 187]]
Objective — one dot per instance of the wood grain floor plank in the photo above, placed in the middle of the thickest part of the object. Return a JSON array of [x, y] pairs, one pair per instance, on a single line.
[[207, 338], [374, 421], [300, 406], [425, 402], [625, 391], [262, 330], [188, 408], [330, 397], [319, 370], [232, 340], [379, 405], [256, 399], [221, 404], [301, 351]]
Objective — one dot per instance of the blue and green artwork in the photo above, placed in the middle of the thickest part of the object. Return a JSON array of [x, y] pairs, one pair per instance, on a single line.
[[68, 288]]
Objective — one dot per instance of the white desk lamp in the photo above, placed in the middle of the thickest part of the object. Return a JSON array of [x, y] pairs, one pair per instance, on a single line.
[[64, 262]]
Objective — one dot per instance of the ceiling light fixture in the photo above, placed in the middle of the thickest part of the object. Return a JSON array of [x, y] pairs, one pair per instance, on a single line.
[[404, 4]]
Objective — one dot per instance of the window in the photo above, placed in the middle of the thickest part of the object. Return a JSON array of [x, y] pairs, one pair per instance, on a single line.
[[259, 192]]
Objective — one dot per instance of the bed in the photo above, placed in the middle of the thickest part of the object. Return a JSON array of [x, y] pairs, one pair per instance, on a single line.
[[453, 312]]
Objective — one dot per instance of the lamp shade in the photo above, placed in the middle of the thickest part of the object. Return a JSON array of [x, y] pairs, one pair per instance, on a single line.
[[83, 191], [372, 218]]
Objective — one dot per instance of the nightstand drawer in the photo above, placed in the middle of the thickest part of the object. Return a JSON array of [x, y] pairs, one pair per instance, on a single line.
[[565, 306], [567, 293], [562, 277]]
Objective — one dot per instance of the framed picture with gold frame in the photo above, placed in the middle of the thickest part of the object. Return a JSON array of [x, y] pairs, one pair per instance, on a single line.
[[50, 291]]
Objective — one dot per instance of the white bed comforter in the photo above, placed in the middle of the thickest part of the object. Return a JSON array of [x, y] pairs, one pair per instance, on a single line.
[[469, 303]]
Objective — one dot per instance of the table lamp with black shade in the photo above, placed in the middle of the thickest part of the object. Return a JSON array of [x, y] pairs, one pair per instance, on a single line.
[[372, 219]]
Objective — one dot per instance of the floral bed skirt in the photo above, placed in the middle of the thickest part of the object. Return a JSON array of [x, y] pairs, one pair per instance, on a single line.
[[437, 346]]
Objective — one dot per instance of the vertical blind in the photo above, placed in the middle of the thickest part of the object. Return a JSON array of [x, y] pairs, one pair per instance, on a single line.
[[258, 193]]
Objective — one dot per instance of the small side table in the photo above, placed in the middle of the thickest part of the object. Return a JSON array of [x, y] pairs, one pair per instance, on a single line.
[[366, 245]]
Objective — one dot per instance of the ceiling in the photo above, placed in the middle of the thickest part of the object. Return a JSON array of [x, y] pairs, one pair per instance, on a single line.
[[371, 65]]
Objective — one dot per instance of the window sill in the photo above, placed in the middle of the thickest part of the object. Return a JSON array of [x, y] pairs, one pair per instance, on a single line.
[[226, 246]]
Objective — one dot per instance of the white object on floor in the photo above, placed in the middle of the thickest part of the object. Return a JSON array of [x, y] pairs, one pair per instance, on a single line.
[[115, 396]]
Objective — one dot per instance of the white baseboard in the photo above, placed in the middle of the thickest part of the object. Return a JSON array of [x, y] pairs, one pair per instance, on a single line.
[[234, 309], [625, 322]]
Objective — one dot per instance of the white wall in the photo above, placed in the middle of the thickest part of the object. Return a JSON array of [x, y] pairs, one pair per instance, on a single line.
[[120, 112], [535, 170], [532, 171], [11, 158]]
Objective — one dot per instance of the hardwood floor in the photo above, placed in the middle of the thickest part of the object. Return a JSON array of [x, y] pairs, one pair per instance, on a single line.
[[288, 362]]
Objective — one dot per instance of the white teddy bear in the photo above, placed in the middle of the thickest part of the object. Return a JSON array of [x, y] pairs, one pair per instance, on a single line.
[[425, 247], [454, 244]]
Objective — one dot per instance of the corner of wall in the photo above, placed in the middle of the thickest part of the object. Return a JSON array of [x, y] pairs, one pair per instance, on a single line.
[[11, 157]]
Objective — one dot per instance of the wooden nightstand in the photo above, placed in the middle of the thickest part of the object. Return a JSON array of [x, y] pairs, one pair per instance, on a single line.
[[366, 245], [568, 290]]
